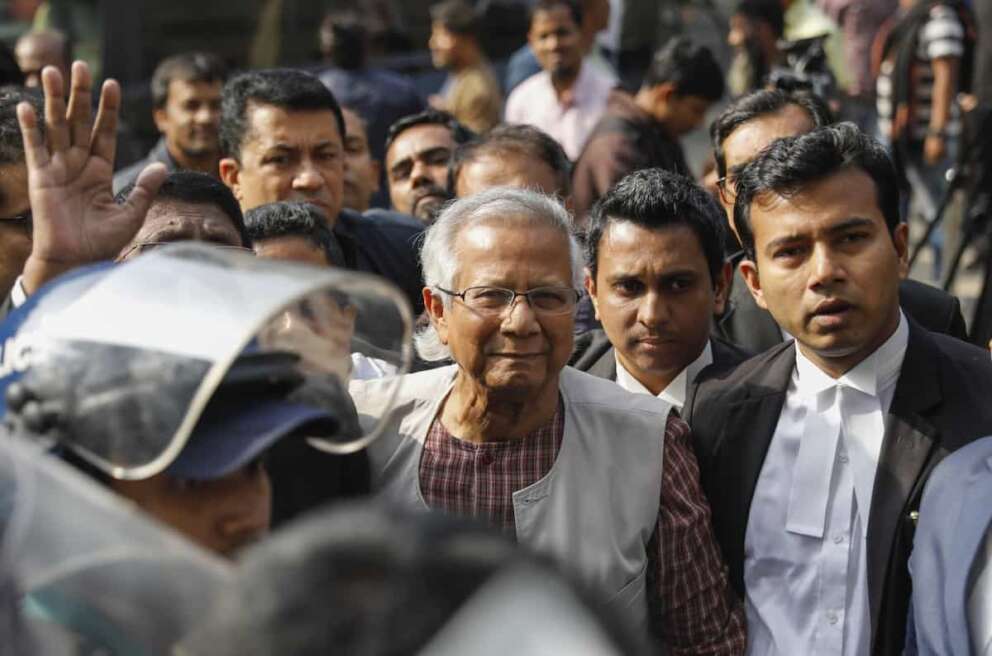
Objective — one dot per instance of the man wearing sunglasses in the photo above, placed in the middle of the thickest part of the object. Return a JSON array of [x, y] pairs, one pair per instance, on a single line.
[[601, 480]]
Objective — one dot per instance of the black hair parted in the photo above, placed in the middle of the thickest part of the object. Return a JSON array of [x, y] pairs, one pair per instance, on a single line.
[[188, 67], [789, 165], [290, 219], [198, 189], [690, 66], [763, 103], [285, 88], [574, 7], [656, 199], [459, 132], [526, 140], [11, 141]]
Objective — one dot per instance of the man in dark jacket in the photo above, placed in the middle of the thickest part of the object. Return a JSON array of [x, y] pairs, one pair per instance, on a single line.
[[642, 130], [656, 276]]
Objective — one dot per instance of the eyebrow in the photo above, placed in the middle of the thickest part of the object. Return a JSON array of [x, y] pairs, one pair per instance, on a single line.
[[843, 226], [668, 275]]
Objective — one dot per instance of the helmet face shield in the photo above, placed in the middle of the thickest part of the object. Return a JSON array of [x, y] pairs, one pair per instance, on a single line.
[[121, 370]]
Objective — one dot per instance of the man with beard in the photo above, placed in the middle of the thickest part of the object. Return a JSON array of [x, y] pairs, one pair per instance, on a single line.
[[186, 92], [418, 149]]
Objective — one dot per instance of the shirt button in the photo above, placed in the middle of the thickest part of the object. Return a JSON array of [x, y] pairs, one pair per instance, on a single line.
[[839, 538], [843, 458], [832, 617]]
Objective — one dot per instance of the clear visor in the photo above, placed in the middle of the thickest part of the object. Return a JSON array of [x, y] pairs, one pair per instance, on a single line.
[[123, 373], [82, 567]]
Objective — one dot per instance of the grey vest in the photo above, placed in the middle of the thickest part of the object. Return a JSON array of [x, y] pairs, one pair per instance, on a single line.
[[597, 508]]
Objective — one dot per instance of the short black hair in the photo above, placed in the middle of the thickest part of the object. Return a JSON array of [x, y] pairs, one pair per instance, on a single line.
[[768, 11], [762, 103], [11, 141], [655, 199], [459, 132], [281, 87], [456, 16], [690, 66], [525, 140], [573, 6], [188, 67], [198, 189], [290, 219], [789, 165], [344, 39]]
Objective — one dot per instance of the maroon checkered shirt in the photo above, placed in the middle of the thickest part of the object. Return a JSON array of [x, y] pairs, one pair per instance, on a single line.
[[698, 612]]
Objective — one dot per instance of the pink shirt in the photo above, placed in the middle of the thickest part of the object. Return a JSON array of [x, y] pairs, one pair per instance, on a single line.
[[570, 121]]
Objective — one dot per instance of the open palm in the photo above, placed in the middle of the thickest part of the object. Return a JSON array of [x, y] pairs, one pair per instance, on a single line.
[[70, 175]]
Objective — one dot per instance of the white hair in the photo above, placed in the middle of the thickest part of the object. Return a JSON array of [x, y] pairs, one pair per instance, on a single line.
[[500, 205]]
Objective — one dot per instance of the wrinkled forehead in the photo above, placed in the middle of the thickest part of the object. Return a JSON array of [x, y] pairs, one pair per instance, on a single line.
[[515, 242], [186, 220], [267, 125]]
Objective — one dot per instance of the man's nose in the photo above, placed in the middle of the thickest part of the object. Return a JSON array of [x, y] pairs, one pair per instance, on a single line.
[[308, 177], [826, 268], [420, 174], [653, 310], [519, 318]]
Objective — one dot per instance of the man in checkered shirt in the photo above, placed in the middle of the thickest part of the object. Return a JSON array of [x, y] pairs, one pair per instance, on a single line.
[[602, 480]]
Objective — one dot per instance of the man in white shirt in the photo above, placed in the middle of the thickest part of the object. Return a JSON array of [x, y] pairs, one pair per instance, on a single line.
[[814, 454], [568, 96], [656, 276]]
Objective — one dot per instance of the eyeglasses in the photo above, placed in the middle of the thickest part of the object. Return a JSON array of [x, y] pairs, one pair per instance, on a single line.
[[144, 247], [494, 300], [727, 185], [22, 220]]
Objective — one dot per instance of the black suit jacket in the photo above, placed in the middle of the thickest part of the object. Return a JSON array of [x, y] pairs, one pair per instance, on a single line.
[[593, 353], [940, 404], [753, 329]]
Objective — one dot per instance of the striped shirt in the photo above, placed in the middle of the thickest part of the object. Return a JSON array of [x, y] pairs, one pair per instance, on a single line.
[[941, 36], [698, 615]]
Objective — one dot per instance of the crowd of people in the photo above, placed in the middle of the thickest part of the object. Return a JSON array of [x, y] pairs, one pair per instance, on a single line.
[[497, 370]]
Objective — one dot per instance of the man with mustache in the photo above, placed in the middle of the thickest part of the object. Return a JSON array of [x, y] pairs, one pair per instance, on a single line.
[[815, 453], [418, 149], [186, 95]]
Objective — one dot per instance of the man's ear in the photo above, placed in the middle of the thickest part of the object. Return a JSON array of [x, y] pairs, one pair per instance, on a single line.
[[900, 238], [590, 285], [721, 288], [160, 119], [436, 312], [230, 175], [749, 271]]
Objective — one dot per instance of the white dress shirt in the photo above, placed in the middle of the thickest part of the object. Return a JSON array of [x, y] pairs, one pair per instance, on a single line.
[[805, 551], [535, 102], [980, 601], [676, 391]]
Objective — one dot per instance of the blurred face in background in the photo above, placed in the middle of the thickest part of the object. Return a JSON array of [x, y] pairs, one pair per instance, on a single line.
[[557, 42], [361, 171], [417, 169], [190, 119]]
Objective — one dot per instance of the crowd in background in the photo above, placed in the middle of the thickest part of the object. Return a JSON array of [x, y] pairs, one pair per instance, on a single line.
[[676, 360]]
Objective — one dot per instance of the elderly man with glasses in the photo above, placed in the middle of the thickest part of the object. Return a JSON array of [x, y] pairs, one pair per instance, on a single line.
[[601, 480]]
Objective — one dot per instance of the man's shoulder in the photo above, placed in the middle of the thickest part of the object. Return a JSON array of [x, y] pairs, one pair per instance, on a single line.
[[381, 221], [933, 308], [749, 376], [589, 347], [373, 394], [582, 388], [954, 471], [537, 84]]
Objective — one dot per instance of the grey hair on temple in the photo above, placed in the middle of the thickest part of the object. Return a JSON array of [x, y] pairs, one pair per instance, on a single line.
[[498, 206]]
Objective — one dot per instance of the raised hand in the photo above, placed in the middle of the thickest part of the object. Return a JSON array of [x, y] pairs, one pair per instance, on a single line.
[[70, 178]]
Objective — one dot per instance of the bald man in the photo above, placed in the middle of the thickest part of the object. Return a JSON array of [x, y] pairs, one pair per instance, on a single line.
[[36, 50]]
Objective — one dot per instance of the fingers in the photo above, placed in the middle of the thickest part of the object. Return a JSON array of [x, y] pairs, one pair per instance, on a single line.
[[105, 128], [80, 111], [145, 188], [35, 151], [57, 127]]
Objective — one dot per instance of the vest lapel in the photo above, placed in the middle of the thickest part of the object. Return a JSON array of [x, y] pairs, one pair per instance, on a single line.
[[906, 451], [969, 535]]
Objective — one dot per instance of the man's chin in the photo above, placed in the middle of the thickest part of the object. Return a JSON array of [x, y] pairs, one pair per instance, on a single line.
[[427, 210]]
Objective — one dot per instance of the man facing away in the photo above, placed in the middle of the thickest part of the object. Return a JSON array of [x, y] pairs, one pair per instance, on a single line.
[[568, 96], [814, 454], [571, 465], [471, 93], [643, 130]]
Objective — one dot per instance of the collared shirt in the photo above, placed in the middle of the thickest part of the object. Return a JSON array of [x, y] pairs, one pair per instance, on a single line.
[[478, 480], [676, 391], [18, 295], [980, 601], [805, 567], [569, 120]]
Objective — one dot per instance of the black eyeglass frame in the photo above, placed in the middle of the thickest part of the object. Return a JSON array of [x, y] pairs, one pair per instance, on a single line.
[[512, 295]]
